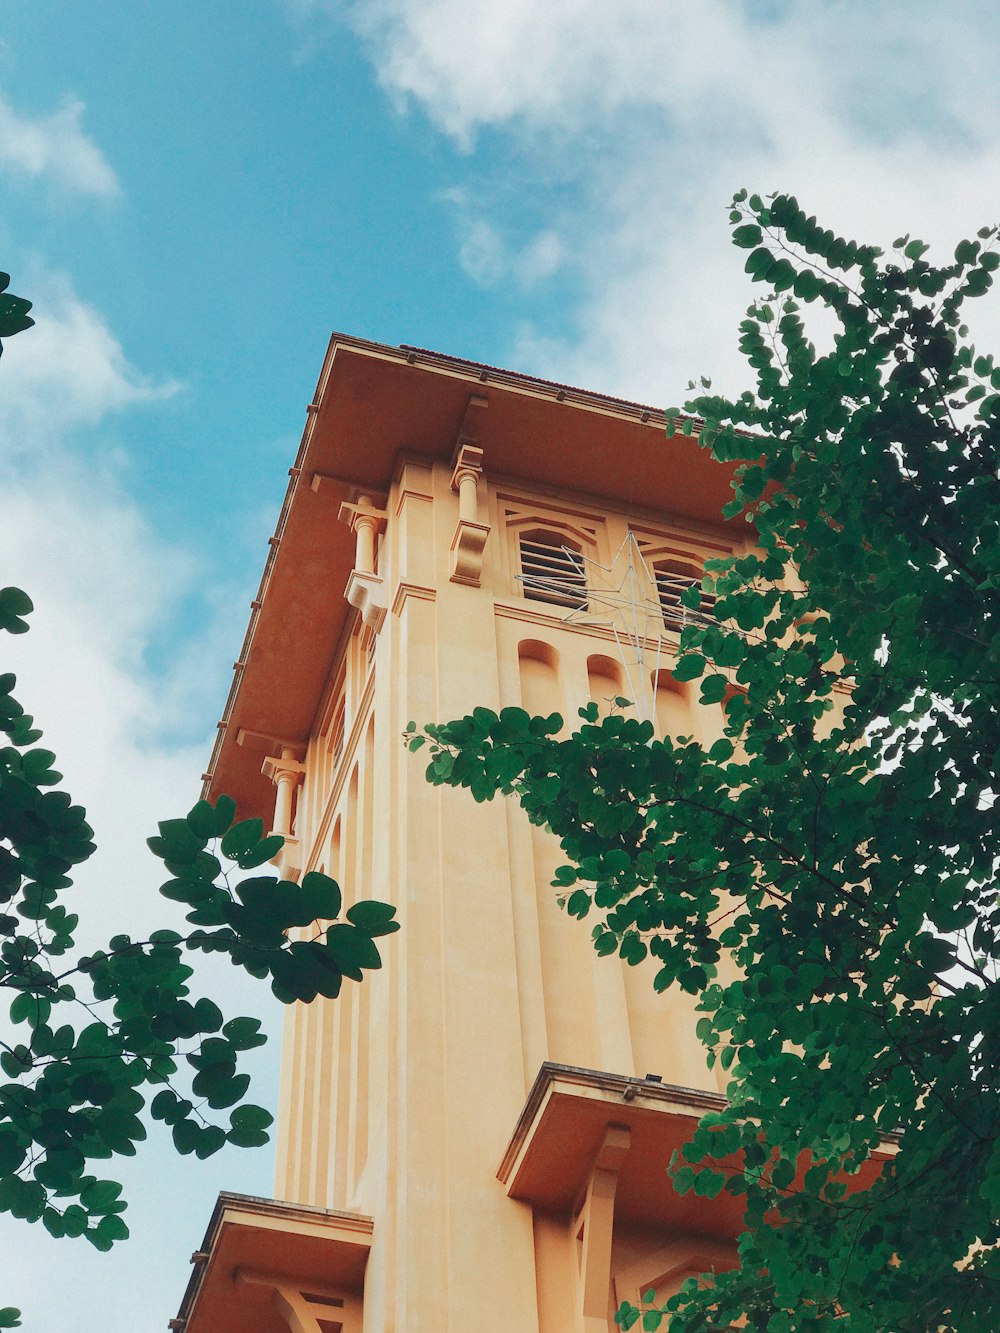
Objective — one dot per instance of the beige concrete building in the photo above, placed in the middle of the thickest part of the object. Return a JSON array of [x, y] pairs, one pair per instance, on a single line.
[[476, 1137]]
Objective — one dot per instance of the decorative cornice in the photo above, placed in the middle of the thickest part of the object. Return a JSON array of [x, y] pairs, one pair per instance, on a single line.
[[404, 591]]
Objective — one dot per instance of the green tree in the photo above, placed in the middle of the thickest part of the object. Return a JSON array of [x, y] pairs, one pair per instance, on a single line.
[[840, 842], [92, 1037]]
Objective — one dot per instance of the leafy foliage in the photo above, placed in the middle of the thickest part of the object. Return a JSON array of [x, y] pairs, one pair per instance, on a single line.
[[93, 1036], [840, 843], [14, 318]]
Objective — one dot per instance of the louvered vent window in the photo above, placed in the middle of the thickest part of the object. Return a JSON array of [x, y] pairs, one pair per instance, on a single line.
[[552, 572], [673, 579]]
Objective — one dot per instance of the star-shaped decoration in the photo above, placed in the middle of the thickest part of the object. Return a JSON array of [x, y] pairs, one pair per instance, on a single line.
[[636, 603]]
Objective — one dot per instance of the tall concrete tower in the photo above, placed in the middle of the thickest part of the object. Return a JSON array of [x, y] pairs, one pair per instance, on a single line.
[[476, 1137]]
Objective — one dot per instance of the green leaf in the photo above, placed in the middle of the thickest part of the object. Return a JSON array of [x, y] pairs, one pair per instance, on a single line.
[[30, 1008], [201, 821], [244, 1034], [211, 1140], [731, 651], [265, 850], [112, 1228], [759, 263], [374, 918], [185, 1134], [320, 897], [242, 837], [689, 667], [37, 767], [352, 950], [606, 943], [208, 1015], [14, 606], [578, 904], [713, 689], [225, 813], [248, 1126], [100, 1195], [747, 236], [13, 1149]]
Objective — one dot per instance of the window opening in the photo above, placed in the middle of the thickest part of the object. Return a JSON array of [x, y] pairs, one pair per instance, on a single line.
[[673, 579], [551, 571]]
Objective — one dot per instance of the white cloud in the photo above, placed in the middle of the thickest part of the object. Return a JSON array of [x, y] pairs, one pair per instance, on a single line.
[[630, 125], [68, 371], [489, 257], [55, 146], [481, 251], [542, 257], [573, 63]]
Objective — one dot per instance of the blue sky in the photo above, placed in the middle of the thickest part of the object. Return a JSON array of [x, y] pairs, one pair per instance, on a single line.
[[196, 195]]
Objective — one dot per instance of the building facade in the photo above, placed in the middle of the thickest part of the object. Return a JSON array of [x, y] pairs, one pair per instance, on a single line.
[[476, 1136]]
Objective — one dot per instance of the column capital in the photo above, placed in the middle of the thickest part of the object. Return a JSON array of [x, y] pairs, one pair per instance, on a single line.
[[358, 514], [277, 768], [467, 460]]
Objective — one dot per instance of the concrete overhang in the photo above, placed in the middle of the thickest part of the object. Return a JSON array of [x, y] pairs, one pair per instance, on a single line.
[[373, 402], [559, 1134], [253, 1246], [562, 1127]]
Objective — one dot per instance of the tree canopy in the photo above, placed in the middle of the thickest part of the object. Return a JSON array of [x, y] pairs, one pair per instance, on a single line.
[[840, 842], [94, 1037], [96, 1040]]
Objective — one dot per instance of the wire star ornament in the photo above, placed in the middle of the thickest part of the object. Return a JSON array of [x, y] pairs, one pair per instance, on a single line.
[[623, 597]]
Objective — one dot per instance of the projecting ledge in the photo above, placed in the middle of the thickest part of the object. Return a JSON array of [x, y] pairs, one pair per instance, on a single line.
[[560, 1132], [274, 1267]]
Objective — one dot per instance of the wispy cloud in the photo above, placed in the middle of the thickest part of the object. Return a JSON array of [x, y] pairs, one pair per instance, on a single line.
[[68, 371], [490, 256], [649, 114], [56, 147]]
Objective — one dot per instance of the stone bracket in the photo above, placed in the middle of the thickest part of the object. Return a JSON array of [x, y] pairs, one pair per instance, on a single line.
[[366, 593], [467, 552], [469, 540], [288, 862], [306, 1310], [595, 1227]]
